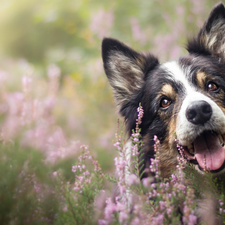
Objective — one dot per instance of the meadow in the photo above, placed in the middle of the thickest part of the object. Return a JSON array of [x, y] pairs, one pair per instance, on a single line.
[[62, 158]]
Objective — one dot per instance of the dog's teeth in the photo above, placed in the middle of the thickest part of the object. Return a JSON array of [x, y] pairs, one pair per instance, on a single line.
[[221, 139], [191, 149]]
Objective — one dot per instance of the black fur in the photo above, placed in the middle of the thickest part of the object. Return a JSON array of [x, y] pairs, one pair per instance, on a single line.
[[149, 63]]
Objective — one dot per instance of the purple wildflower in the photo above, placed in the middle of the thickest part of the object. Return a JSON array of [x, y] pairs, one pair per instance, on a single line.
[[133, 179]]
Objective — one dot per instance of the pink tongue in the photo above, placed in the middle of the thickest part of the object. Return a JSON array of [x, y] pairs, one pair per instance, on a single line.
[[208, 151]]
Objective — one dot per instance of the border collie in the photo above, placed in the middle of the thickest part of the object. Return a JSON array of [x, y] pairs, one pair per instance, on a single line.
[[183, 99]]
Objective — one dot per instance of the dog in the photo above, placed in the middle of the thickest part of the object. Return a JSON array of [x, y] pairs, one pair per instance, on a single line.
[[182, 99]]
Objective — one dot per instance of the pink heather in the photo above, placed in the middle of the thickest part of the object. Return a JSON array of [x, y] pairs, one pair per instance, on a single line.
[[158, 220], [101, 23], [134, 150], [140, 115], [221, 202], [76, 188], [138, 34], [123, 216], [162, 205], [192, 219], [146, 182], [174, 178], [53, 71], [169, 210], [109, 209], [133, 179], [135, 134], [120, 164], [117, 145], [26, 81], [102, 222], [3, 76], [136, 221]]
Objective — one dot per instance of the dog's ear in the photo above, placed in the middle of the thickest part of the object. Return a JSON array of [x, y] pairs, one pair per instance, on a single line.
[[126, 70], [211, 38]]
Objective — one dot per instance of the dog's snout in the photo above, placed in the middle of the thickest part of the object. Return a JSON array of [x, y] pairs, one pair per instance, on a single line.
[[199, 112]]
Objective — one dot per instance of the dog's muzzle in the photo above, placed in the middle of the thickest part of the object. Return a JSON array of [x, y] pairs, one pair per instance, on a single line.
[[207, 148]]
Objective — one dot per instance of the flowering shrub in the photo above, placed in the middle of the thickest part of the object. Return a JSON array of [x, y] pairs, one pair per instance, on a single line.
[[48, 178], [152, 200]]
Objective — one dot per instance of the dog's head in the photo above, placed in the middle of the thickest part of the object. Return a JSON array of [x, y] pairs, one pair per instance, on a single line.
[[185, 97]]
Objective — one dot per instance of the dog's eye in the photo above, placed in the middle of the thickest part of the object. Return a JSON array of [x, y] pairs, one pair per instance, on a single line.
[[165, 102], [212, 86]]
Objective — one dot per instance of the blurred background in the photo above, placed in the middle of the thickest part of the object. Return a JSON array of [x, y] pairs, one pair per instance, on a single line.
[[40, 37]]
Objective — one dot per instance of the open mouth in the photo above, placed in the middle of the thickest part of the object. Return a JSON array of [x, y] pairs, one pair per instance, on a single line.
[[207, 151]]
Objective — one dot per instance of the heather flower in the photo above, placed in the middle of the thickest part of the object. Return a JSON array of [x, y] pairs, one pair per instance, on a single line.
[[221, 204], [146, 181], [26, 81], [134, 150], [138, 34], [140, 116], [162, 205], [135, 221], [102, 222], [192, 219], [174, 178], [123, 216], [169, 210], [133, 179], [120, 164], [158, 220], [3, 76], [53, 71], [117, 145], [109, 209], [55, 173], [15, 102], [154, 165], [84, 178], [76, 188], [102, 22]]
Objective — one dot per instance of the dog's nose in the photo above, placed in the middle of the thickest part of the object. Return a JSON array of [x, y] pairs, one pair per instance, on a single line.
[[199, 112]]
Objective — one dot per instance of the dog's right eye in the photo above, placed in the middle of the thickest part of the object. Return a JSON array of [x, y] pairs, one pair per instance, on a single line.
[[212, 87], [165, 102]]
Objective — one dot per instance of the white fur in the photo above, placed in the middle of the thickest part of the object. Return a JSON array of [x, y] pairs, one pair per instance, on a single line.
[[127, 197], [178, 74], [186, 131]]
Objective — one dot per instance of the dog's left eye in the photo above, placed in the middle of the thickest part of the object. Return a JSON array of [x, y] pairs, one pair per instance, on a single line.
[[212, 86], [165, 102]]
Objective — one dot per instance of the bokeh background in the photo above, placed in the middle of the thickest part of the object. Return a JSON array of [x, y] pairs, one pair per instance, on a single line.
[[40, 37]]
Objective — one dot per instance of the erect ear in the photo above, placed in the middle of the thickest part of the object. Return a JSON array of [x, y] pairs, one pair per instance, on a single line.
[[126, 70], [211, 38]]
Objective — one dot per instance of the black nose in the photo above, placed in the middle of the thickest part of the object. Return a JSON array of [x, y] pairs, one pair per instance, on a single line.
[[199, 112]]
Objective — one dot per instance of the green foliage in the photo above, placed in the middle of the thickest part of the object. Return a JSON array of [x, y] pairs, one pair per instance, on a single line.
[[26, 188]]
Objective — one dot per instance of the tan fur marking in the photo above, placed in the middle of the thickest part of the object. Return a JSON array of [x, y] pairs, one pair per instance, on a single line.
[[200, 78], [169, 153], [219, 101], [168, 90], [140, 61], [168, 159]]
